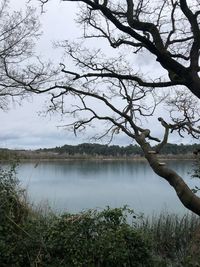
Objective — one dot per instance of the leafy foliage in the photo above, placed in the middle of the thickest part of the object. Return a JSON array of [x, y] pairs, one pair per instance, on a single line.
[[98, 239], [195, 173], [196, 169], [12, 214], [21, 228]]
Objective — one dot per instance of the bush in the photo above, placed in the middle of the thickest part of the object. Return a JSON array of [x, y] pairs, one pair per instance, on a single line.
[[12, 214], [99, 239], [20, 226]]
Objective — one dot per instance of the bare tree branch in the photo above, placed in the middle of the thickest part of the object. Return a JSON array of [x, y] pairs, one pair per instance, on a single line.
[[170, 34]]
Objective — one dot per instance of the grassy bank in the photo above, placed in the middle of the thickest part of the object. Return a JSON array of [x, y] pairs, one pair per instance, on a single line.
[[94, 238]]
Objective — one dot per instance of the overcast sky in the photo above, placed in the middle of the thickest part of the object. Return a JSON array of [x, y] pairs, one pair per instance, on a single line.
[[22, 127]]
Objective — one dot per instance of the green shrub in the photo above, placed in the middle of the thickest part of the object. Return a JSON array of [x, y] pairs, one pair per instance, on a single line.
[[97, 239], [12, 214], [20, 226]]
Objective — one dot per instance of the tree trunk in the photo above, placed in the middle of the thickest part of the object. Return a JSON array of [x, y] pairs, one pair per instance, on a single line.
[[194, 85], [184, 193]]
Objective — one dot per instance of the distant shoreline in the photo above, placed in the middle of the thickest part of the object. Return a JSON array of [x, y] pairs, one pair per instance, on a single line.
[[98, 152], [35, 159]]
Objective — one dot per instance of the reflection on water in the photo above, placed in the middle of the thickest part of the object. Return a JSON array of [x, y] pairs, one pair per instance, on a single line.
[[78, 185]]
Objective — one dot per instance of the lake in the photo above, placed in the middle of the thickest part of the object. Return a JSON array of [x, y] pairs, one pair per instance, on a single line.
[[78, 185]]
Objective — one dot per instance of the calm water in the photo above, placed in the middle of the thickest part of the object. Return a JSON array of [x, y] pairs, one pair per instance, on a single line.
[[78, 185]]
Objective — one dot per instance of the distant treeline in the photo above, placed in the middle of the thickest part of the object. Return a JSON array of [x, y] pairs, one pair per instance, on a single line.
[[115, 150], [87, 150]]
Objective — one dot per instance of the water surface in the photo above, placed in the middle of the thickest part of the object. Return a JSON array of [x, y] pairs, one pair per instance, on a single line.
[[77, 185]]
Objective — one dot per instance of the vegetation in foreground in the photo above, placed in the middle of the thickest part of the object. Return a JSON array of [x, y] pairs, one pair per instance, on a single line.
[[112, 237]]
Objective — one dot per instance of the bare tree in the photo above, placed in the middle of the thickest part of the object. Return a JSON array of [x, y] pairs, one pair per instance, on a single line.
[[167, 32], [19, 30]]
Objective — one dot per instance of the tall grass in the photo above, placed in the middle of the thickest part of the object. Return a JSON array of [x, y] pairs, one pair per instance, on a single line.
[[172, 236]]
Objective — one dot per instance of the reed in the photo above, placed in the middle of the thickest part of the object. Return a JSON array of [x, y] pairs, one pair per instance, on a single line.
[[172, 236]]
